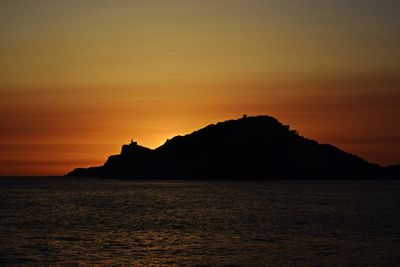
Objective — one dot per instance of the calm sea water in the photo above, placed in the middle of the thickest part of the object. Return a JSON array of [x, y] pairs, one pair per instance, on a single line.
[[63, 221]]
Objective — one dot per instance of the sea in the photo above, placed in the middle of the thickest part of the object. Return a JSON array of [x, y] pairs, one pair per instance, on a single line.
[[59, 221]]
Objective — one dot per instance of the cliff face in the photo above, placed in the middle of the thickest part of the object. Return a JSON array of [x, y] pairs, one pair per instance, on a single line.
[[248, 148]]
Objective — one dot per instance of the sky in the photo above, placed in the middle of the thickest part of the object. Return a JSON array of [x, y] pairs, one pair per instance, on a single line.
[[80, 78]]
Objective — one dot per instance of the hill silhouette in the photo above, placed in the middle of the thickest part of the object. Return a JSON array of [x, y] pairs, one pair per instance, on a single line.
[[257, 147]]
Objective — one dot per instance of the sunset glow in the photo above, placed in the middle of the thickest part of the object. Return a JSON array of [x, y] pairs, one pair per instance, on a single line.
[[80, 78]]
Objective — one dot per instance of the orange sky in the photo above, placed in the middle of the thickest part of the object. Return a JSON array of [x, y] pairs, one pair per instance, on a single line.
[[78, 80]]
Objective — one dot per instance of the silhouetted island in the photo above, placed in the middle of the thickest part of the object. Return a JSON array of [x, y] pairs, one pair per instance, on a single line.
[[257, 147]]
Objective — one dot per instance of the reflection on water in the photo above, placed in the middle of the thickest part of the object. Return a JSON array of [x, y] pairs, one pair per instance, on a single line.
[[64, 221]]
